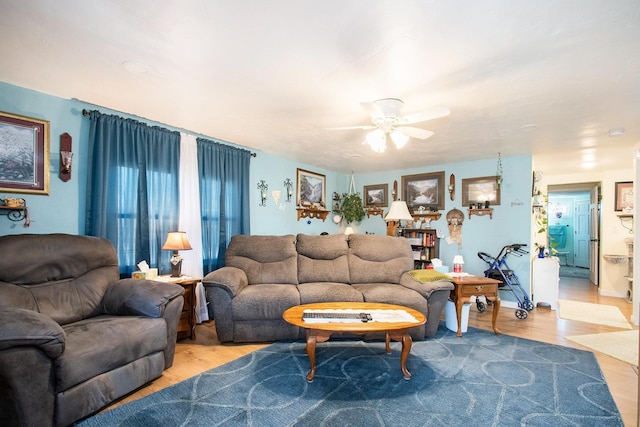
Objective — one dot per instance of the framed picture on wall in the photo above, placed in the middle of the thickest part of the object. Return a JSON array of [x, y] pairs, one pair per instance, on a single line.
[[375, 196], [425, 189], [624, 196], [24, 154], [311, 188], [481, 190]]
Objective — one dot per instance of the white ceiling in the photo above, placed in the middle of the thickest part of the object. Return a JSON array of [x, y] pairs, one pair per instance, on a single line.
[[276, 75]]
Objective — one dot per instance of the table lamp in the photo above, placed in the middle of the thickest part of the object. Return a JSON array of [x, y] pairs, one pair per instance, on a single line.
[[176, 241], [458, 261], [397, 212]]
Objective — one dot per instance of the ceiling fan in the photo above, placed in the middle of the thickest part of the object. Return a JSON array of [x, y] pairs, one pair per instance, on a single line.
[[386, 120]]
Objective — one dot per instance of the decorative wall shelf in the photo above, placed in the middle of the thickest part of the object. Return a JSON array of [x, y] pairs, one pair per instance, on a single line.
[[312, 213], [14, 213], [481, 212], [373, 211], [433, 216], [626, 217]]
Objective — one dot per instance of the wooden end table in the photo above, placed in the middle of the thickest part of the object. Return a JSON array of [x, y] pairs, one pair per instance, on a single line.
[[467, 286], [187, 323], [321, 332]]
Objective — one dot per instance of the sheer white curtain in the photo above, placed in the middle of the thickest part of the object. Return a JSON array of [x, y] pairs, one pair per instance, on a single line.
[[190, 217]]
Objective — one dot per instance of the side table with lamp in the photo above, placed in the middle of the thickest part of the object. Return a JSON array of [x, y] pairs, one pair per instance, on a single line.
[[177, 241]]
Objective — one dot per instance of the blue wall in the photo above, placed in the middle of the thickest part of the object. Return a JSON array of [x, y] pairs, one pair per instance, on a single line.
[[63, 209]]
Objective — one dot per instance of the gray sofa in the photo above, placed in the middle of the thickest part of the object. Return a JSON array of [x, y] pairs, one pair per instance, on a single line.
[[265, 275], [73, 336]]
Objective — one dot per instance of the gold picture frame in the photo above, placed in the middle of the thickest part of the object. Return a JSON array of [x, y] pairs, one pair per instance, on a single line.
[[24, 154], [479, 191]]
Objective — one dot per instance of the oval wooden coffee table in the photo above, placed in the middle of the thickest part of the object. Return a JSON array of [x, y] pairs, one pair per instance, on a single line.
[[321, 332]]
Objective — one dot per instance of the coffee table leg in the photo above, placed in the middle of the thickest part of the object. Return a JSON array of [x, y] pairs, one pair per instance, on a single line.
[[311, 353], [406, 341], [387, 338], [406, 348]]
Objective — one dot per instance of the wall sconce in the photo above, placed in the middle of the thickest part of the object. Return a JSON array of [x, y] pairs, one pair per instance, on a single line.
[[499, 178], [176, 241], [65, 157], [452, 187], [289, 185], [263, 187]]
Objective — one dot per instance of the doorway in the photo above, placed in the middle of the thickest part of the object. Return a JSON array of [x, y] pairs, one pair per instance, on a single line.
[[573, 218]]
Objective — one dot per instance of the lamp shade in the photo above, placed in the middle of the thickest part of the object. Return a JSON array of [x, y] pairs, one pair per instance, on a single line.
[[458, 259], [348, 231], [176, 241], [399, 211]]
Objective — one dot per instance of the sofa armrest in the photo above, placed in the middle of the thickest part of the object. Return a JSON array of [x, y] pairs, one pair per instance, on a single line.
[[127, 297], [22, 328], [231, 279], [425, 288]]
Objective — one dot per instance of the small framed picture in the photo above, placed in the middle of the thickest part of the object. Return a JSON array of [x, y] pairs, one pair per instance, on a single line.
[[624, 196], [375, 196], [479, 191]]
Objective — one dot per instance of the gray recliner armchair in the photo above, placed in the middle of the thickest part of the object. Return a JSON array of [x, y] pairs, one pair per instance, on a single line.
[[73, 336]]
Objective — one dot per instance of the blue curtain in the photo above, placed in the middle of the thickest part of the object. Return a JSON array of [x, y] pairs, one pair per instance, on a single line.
[[224, 198], [132, 190]]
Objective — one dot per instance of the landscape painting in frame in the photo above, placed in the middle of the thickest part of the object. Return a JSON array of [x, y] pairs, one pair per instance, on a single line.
[[375, 196], [624, 196], [24, 154], [425, 189], [481, 190], [311, 189]]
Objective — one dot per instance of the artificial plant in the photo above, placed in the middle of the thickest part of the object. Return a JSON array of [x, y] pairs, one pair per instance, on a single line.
[[351, 208]]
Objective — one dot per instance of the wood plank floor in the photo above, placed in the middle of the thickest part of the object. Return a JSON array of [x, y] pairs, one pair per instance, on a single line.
[[204, 353]]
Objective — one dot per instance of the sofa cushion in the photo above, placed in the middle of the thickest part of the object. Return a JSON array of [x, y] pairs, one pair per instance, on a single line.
[[323, 258], [103, 343], [380, 259], [390, 293], [266, 301], [328, 292], [265, 259]]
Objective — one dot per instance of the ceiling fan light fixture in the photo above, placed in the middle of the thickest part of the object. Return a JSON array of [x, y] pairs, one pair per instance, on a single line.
[[377, 140], [399, 138]]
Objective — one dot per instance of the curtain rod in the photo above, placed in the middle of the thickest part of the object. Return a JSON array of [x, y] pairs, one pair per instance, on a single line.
[[86, 112]]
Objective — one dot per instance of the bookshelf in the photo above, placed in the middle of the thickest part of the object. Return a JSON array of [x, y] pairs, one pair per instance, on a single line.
[[424, 243]]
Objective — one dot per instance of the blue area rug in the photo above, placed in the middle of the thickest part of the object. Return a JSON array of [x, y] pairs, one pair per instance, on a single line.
[[480, 379]]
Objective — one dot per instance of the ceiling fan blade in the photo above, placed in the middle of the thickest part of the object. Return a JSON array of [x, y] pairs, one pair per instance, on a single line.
[[415, 132], [366, 127], [373, 110], [422, 116]]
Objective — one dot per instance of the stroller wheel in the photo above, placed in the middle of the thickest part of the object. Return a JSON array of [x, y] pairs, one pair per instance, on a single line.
[[521, 314]]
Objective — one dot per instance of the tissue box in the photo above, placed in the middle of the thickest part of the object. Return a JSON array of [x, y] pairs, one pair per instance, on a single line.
[[441, 268], [138, 275], [152, 273]]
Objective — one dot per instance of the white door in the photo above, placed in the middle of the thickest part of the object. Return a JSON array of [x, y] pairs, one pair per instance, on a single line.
[[581, 238], [594, 234]]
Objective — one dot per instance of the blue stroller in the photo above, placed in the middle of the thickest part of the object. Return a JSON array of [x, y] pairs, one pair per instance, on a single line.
[[500, 270]]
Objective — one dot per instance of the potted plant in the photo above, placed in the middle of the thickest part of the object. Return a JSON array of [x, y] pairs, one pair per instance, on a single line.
[[351, 208]]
